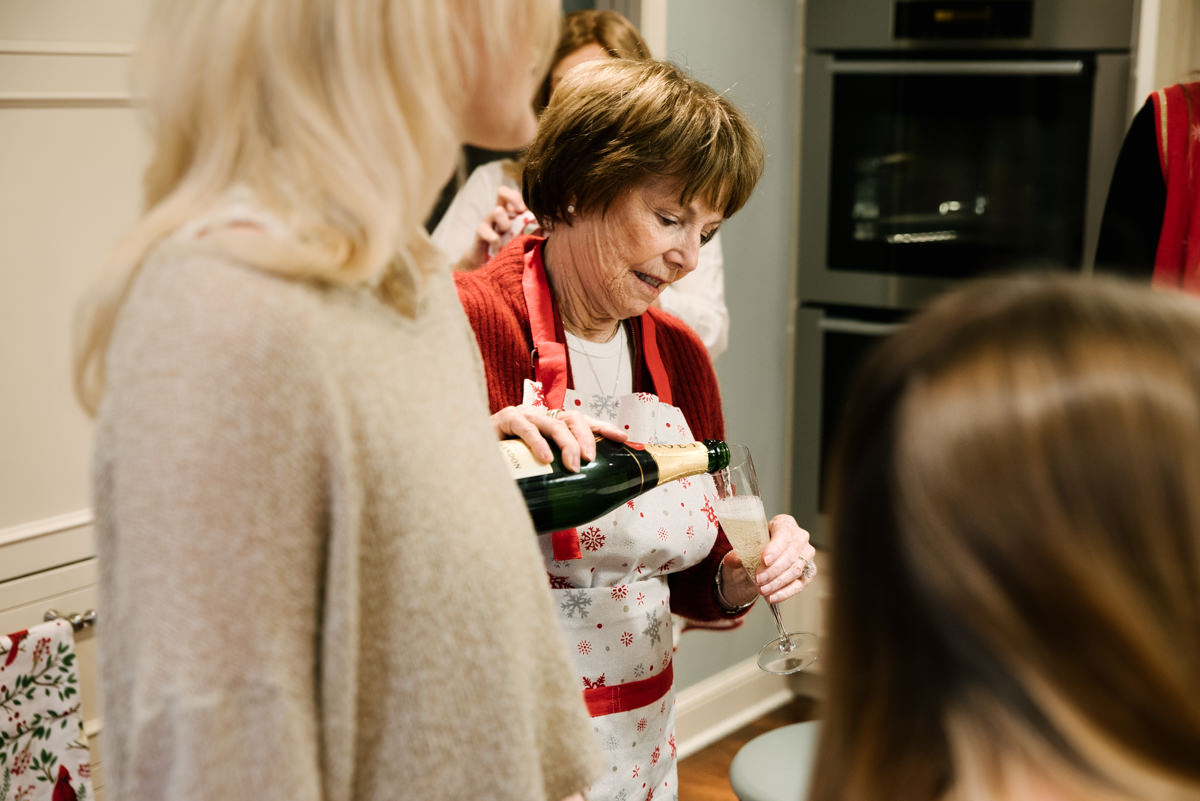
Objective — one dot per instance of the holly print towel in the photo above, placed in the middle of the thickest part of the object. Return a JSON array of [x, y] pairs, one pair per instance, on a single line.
[[43, 750]]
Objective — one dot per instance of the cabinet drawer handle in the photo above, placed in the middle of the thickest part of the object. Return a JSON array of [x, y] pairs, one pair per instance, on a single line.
[[78, 620], [843, 325], [901, 67]]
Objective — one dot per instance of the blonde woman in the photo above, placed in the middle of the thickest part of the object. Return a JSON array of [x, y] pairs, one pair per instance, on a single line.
[[299, 502], [1016, 593]]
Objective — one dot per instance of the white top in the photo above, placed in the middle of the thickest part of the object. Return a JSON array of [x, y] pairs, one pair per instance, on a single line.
[[698, 298], [601, 370]]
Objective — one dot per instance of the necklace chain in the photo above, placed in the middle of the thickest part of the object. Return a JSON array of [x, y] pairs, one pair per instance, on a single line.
[[620, 360]]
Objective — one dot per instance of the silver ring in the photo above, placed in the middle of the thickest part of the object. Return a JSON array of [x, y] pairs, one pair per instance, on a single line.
[[552, 412], [810, 570]]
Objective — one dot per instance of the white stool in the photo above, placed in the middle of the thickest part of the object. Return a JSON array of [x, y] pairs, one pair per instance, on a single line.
[[776, 766]]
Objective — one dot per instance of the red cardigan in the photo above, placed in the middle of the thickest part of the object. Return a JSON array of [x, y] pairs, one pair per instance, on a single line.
[[494, 301]]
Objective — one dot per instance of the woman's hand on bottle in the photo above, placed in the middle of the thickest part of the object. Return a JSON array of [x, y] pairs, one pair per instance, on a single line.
[[785, 570], [573, 432]]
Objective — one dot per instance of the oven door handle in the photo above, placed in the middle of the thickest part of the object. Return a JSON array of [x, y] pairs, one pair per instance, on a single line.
[[958, 67], [842, 325]]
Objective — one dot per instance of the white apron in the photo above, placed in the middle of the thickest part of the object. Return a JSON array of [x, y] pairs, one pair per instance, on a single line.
[[614, 604]]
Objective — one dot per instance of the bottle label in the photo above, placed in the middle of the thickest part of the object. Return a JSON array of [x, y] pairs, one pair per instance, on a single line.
[[677, 461], [521, 461]]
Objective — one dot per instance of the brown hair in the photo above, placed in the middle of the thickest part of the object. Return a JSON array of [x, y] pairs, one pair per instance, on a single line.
[[1016, 551], [608, 29], [614, 123]]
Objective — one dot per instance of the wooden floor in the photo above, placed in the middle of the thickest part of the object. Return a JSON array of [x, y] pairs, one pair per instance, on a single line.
[[704, 776]]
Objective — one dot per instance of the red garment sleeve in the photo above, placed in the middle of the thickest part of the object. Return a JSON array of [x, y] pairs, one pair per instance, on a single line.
[[693, 591], [501, 330]]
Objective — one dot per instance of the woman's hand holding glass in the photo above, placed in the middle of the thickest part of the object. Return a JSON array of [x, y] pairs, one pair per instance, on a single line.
[[573, 432], [782, 574], [785, 565]]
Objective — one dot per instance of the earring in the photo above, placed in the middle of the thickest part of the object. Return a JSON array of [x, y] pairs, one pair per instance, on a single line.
[[570, 209]]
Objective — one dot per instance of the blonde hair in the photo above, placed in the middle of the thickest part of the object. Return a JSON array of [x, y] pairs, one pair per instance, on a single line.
[[1016, 541], [343, 117]]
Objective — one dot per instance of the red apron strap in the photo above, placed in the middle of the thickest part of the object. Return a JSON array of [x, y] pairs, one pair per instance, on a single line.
[[631, 695], [550, 352], [565, 544], [654, 362], [549, 366]]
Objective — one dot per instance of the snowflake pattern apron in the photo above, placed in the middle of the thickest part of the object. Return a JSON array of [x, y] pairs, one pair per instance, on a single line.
[[614, 606], [610, 587]]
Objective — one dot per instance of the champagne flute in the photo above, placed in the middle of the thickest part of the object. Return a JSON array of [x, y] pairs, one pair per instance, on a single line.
[[740, 509]]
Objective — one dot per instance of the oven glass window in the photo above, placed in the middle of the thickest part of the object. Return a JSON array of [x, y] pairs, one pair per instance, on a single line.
[[960, 173], [844, 351]]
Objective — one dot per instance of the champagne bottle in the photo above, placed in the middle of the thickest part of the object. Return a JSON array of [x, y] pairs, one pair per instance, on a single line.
[[559, 499]]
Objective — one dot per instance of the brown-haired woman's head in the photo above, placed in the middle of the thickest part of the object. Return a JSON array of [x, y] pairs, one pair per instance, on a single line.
[[611, 34], [614, 124], [1016, 590]]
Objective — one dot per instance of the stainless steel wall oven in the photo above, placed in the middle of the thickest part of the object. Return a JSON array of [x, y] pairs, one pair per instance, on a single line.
[[940, 141]]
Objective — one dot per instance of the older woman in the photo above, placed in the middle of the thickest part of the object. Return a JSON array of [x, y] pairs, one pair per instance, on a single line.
[[634, 168], [488, 208]]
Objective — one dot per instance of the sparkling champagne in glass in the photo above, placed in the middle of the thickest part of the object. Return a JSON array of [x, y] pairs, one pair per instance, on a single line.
[[740, 509]]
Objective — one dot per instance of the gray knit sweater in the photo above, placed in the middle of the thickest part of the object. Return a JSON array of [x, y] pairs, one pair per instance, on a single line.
[[317, 580]]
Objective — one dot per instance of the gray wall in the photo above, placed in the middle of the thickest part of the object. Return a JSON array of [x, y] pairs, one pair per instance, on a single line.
[[747, 48]]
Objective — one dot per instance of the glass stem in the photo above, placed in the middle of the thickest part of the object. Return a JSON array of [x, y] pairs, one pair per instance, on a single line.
[[785, 642]]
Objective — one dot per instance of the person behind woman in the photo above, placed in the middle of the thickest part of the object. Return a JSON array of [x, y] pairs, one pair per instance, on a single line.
[[299, 499], [488, 210], [1016, 534], [634, 166]]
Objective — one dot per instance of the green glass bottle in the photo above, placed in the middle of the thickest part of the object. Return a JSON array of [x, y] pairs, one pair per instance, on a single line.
[[559, 499]]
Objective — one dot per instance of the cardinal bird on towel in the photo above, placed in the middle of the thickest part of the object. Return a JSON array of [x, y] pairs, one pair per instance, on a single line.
[[63, 791], [15, 638]]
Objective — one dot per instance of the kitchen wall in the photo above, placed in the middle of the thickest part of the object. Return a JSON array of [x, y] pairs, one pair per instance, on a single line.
[[70, 150]]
